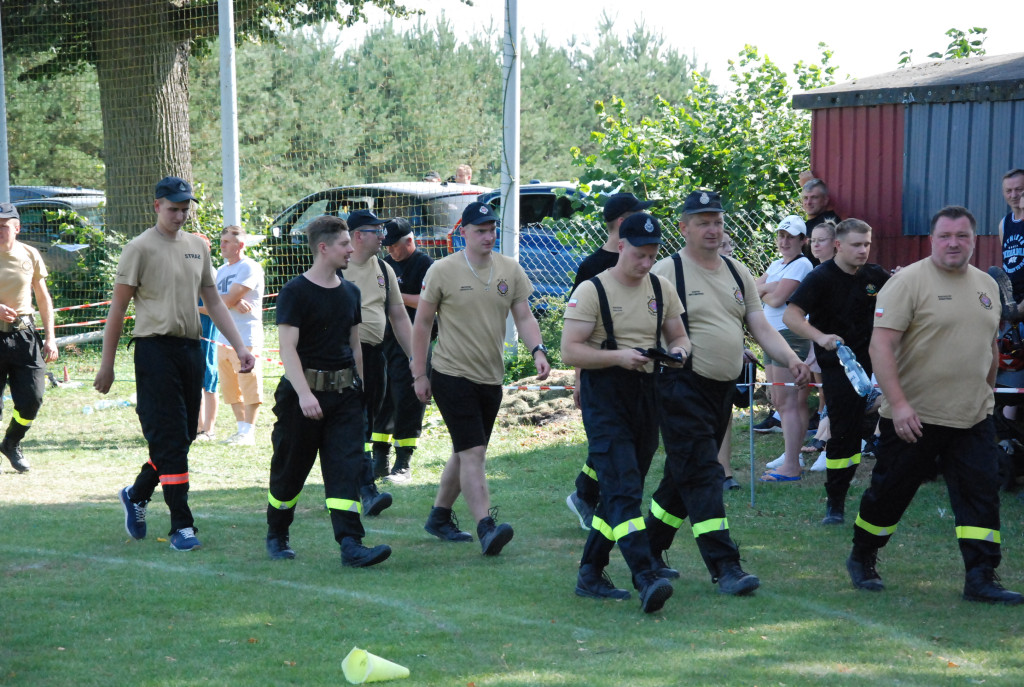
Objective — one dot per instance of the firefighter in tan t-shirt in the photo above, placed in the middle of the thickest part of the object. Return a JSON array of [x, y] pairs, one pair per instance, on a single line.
[[23, 356]]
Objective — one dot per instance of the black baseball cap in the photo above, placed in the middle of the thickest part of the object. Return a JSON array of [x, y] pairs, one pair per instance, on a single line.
[[478, 213], [174, 189], [362, 218], [640, 229], [8, 211], [395, 229], [702, 201], [619, 204]]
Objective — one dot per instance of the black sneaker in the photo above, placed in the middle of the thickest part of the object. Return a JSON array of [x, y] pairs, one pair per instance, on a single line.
[[734, 581], [581, 509], [861, 566], [730, 483], [277, 547], [769, 424], [833, 516], [594, 583], [13, 452], [355, 555], [443, 524], [982, 584], [134, 515], [374, 501], [492, 536], [654, 591], [870, 447], [662, 568]]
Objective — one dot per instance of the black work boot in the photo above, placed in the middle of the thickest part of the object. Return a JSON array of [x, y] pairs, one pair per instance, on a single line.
[[401, 473], [374, 501], [443, 524], [355, 555], [982, 584], [12, 449], [381, 463], [654, 590], [734, 581], [662, 567], [277, 547], [861, 566], [834, 515], [493, 536], [593, 582]]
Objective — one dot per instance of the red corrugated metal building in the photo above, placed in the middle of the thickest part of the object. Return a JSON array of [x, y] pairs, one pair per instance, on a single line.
[[896, 147]]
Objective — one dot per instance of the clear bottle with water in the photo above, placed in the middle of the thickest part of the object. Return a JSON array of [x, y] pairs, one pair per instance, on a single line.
[[854, 372]]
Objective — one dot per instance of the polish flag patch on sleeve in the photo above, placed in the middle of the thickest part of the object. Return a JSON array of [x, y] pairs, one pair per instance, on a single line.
[[571, 303], [879, 312]]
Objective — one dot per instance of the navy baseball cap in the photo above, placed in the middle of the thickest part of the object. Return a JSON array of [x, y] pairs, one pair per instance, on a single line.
[[8, 211], [395, 229], [702, 201], [619, 204], [640, 230], [175, 190], [362, 218], [478, 213]]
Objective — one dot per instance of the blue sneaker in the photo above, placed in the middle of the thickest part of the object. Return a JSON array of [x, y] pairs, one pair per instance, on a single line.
[[134, 515], [185, 540]]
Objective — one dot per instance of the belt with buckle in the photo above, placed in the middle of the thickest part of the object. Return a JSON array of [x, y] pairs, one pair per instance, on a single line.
[[329, 380], [21, 323]]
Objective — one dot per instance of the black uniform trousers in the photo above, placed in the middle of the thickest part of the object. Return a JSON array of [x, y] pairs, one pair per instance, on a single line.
[[168, 386], [969, 463], [23, 370], [846, 422], [296, 439], [375, 383], [620, 417], [401, 413], [695, 413]]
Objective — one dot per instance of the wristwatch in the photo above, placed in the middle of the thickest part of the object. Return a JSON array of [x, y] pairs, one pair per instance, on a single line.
[[539, 347]]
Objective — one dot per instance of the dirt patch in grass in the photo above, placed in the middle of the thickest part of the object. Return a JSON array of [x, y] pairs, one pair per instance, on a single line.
[[543, 407]]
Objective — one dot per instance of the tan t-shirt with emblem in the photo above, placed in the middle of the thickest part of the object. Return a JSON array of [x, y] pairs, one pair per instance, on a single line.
[[167, 274], [633, 309], [19, 267], [716, 310], [471, 316], [948, 322], [370, 281]]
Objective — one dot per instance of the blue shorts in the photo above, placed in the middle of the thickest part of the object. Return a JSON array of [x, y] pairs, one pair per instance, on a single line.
[[211, 379]]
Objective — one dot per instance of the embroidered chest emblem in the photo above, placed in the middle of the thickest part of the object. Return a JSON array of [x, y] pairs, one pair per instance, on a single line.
[[738, 295], [502, 287], [985, 301], [871, 290], [381, 282], [652, 306]]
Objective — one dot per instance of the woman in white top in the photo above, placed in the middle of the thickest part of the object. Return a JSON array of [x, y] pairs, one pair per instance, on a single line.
[[775, 287]]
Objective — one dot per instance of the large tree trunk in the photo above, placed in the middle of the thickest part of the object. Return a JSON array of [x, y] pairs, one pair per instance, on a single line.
[[142, 69]]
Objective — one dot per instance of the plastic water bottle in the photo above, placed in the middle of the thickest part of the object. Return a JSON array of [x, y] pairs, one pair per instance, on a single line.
[[87, 410], [104, 404], [854, 372]]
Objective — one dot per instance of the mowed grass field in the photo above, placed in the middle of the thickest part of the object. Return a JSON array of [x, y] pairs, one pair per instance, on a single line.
[[82, 604]]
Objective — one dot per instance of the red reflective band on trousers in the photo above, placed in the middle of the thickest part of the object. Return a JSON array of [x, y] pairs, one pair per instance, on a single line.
[[174, 479]]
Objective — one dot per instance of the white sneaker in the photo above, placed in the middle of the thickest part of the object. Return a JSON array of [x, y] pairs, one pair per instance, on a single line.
[[204, 436], [778, 462], [239, 439], [819, 465]]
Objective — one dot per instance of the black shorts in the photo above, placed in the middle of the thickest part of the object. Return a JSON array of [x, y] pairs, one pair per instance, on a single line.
[[468, 409]]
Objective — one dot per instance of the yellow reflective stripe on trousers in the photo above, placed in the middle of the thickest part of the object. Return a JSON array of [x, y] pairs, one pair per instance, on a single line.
[[666, 517], [367, 447], [713, 525], [282, 505], [380, 438], [878, 531], [982, 533], [19, 419], [345, 504], [406, 443], [589, 472], [621, 530], [602, 527], [840, 463]]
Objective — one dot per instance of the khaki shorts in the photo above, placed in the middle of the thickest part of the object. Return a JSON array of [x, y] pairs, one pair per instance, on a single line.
[[236, 387], [799, 345]]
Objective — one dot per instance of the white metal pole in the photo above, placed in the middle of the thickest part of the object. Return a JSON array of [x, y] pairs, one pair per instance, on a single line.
[[510, 71], [229, 114], [5, 181]]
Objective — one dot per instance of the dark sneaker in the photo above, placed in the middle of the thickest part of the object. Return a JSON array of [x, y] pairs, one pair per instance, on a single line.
[[400, 475], [381, 461], [355, 555], [870, 448], [492, 536], [13, 452], [769, 424], [662, 568], [374, 501], [861, 566], [732, 580], [654, 591], [134, 515], [729, 483], [581, 509], [594, 583], [277, 547], [833, 516], [982, 584], [443, 524], [185, 540]]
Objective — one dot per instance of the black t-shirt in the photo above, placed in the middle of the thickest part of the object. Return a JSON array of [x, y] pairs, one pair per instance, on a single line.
[[827, 216], [1013, 254], [324, 317], [410, 273], [593, 265], [842, 304]]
